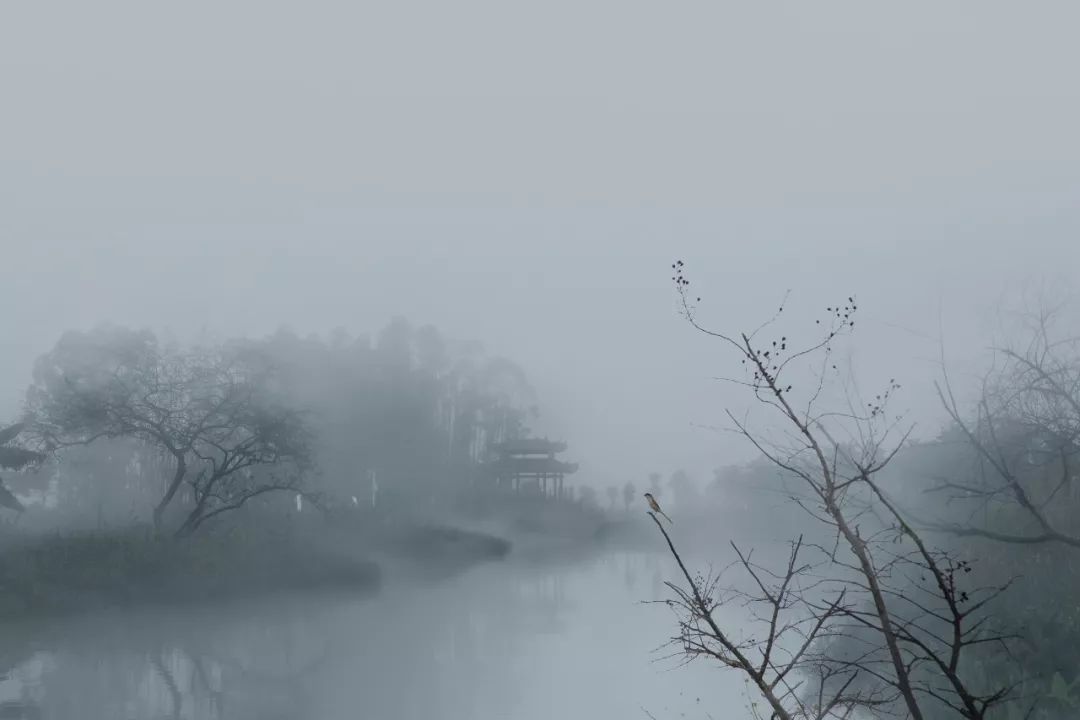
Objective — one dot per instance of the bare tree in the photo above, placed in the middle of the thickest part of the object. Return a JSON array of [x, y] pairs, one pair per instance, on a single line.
[[209, 410], [253, 449], [778, 663], [879, 582], [1024, 437]]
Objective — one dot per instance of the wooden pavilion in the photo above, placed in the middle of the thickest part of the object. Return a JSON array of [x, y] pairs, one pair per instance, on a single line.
[[529, 464]]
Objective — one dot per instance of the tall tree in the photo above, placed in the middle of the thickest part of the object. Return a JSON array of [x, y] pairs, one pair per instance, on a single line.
[[208, 409], [416, 409], [629, 495], [612, 496], [921, 641], [683, 490], [1024, 437], [587, 497], [654, 484]]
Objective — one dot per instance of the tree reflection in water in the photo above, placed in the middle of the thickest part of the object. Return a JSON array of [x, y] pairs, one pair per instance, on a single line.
[[501, 641]]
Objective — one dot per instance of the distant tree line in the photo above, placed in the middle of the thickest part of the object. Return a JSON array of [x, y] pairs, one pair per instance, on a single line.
[[137, 428]]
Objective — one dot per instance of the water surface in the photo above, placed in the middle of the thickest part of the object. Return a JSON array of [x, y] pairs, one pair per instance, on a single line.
[[506, 641]]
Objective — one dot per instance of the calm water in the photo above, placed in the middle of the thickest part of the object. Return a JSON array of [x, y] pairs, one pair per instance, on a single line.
[[507, 641]]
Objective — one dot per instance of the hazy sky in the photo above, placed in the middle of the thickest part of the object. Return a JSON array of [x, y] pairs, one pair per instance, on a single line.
[[524, 174]]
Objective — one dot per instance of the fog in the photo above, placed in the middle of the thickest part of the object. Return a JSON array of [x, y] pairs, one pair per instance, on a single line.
[[398, 236], [519, 644]]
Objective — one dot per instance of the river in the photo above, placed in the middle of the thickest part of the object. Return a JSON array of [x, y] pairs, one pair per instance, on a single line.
[[511, 640]]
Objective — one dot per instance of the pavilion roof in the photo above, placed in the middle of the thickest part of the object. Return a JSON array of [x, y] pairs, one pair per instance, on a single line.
[[530, 446]]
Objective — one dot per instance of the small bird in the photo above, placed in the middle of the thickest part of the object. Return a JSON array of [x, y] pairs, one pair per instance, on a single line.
[[656, 507]]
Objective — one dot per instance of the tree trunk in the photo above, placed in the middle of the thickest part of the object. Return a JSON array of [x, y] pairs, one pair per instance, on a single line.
[[869, 572], [188, 527], [170, 492]]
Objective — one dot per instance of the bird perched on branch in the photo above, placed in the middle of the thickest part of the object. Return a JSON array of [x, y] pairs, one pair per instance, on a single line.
[[655, 506]]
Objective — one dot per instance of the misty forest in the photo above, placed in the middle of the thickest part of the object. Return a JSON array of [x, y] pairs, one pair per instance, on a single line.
[[589, 360]]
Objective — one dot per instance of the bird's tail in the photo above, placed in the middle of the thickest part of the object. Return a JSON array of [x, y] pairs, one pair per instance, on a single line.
[[670, 522]]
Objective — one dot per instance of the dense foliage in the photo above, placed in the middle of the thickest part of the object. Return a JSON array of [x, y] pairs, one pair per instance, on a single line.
[[408, 415], [185, 434]]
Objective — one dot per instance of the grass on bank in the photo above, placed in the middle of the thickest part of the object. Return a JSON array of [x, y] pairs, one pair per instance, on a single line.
[[93, 570]]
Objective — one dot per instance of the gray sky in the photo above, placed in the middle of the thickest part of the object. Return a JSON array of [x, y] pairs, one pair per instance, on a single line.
[[524, 174]]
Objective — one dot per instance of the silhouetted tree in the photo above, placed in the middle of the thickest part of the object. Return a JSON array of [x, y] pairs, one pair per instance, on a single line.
[[1004, 474], [629, 494], [613, 496], [587, 497], [110, 481], [1044, 575], [1024, 439], [919, 642], [654, 484], [209, 410], [683, 490], [418, 410]]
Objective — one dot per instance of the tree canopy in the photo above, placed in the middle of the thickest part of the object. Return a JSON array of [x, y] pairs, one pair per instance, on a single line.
[[408, 412]]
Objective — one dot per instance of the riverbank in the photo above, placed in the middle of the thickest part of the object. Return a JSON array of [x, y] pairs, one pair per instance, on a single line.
[[487, 644], [61, 574], [46, 574]]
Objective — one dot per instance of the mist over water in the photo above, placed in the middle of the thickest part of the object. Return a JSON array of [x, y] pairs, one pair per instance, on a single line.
[[514, 639], [286, 288]]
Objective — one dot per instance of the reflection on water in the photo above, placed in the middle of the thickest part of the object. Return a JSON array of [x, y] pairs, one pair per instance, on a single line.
[[505, 641]]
